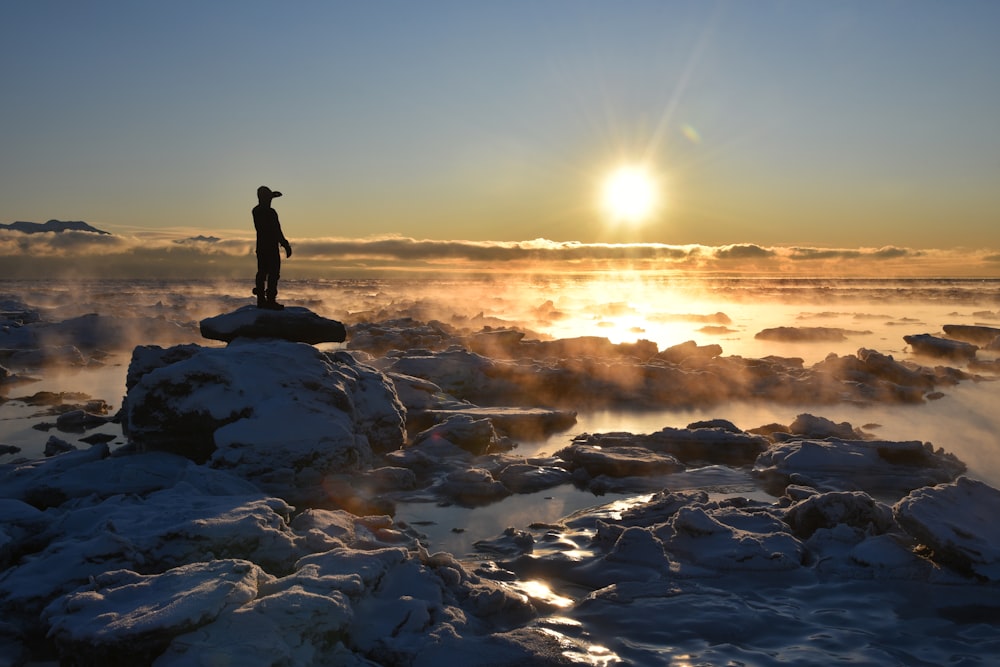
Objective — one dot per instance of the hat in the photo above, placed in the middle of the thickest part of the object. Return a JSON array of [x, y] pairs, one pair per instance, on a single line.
[[264, 192]]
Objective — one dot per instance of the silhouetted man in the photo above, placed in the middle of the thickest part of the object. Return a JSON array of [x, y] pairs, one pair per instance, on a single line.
[[269, 237]]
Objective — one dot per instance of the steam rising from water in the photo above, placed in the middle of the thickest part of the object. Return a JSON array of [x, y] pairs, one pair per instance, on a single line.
[[624, 307]]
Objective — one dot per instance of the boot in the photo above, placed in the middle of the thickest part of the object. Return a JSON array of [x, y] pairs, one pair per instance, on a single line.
[[261, 301]]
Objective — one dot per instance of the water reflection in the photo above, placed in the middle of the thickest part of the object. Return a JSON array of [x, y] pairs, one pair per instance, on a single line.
[[582, 652], [539, 591]]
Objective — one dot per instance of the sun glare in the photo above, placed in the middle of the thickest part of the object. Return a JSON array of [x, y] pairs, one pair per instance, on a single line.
[[629, 194]]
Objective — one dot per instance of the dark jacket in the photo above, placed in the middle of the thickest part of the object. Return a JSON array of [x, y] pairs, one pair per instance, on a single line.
[[269, 236]]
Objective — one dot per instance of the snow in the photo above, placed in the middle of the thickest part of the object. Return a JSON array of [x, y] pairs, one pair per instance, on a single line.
[[249, 520]]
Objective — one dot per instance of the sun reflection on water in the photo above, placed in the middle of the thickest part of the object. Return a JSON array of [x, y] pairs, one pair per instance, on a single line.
[[582, 652], [540, 591]]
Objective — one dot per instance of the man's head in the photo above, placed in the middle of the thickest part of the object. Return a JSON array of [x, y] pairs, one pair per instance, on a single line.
[[266, 194]]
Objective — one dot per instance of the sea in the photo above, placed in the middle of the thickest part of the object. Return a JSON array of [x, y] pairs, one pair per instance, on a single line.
[[623, 306], [836, 316]]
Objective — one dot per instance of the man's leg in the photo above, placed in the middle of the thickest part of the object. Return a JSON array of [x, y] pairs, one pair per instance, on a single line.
[[272, 283], [259, 281]]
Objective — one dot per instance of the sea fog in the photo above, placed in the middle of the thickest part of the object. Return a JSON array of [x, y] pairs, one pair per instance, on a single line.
[[762, 611], [818, 317]]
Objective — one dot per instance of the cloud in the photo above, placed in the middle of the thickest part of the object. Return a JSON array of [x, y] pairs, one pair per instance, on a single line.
[[743, 251], [158, 253]]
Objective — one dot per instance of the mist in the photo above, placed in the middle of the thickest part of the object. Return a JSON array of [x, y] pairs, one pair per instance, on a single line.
[[160, 254]]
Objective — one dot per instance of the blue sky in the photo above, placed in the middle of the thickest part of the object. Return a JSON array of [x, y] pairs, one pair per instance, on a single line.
[[825, 124]]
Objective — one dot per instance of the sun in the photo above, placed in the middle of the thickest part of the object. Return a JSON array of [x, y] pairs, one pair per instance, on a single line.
[[629, 194]]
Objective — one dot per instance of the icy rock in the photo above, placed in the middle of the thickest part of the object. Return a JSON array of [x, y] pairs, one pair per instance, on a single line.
[[279, 414], [474, 486], [715, 443], [958, 521], [418, 394], [294, 323], [638, 546], [690, 349], [500, 343], [476, 436], [404, 602], [805, 334], [887, 368], [528, 478], [933, 346], [515, 422], [977, 335], [288, 627], [403, 333], [827, 510], [813, 427], [55, 446], [78, 421], [711, 538], [876, 466], [128, 618], [87, 473], [618, 461], [878, 377], [168, 528], [21, 480], [21, 525], [457, 371]]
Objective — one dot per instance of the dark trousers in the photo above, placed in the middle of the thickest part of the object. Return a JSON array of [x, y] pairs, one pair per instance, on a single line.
[[268, 272]]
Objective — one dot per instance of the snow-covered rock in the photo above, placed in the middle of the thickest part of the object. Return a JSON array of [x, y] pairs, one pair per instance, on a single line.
[[294, 323], [124, 617], [711, 443], [934, 346], [476, 436], [877, 466], [618, 461], [528, 423], [958, 521], [280, 414], [828, 510], [975, 334]]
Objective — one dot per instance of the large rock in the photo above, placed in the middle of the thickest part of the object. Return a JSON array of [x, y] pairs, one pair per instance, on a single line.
[[282, 415], [958, 522], [296, 324], [933, 346], [975, 334], [127, 618], [875, 467]]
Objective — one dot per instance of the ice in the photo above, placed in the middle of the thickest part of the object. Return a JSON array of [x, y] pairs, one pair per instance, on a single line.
[[266, 505]]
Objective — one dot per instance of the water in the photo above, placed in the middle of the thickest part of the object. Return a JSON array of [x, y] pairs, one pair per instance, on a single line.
[[760, 620]]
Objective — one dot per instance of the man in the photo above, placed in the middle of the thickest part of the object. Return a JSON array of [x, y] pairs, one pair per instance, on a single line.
[[269, 237]]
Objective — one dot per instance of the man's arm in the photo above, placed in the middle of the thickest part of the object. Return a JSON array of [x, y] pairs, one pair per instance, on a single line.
[[281, 237]]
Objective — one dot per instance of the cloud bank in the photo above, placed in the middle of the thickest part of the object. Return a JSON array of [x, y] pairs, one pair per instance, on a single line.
[[158, 255]]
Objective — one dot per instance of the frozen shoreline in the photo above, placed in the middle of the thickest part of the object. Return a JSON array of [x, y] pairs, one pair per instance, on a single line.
[[696, 556]]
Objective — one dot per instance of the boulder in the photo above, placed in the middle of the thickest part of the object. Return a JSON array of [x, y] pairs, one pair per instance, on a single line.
[[295, 324], [515, 422], [876, 467], [828, 510], [280, 414], [958, 521], [712, 444], [620, 461], [975, 334], [933, 346], [124, 617]]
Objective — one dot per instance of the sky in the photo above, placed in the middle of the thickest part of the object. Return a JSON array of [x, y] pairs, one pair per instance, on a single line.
[[767, 128]]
